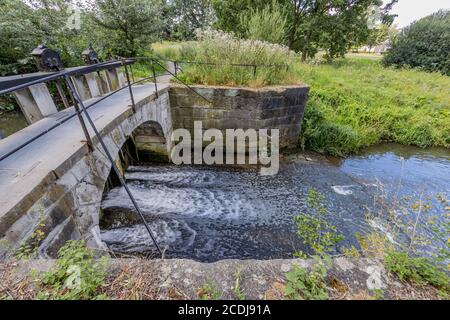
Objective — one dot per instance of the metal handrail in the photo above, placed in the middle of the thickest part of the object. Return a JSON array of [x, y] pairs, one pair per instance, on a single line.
[[78, 112], [228, 64], [56, 77], [61, 74]]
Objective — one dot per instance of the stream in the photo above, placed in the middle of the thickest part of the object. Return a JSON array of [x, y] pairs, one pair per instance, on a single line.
[[209, 213]]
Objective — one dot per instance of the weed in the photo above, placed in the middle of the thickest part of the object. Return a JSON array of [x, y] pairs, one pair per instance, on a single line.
[[29, 249], [351, 253], [303, 284], [76, 274], [378, 294], [237, 286], [208, 292], [313, 228], [418, 270]]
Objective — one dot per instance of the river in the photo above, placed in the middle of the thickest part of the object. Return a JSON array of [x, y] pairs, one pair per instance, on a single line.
[[209, 213]]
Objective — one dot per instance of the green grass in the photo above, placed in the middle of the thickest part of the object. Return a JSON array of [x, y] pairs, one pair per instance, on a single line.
[[356, 103]]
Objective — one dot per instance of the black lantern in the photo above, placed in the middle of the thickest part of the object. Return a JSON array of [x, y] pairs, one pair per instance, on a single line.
[[90, 56], [47, 59]]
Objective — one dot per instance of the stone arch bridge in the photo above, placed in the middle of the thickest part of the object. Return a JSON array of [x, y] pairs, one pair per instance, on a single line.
[[51, 188]]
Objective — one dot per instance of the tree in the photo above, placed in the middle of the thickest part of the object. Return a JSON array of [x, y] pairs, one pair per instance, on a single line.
[[189, 15], [129, 25], [332, 25], [228, 13], [267, 24], [24, 25], [424, 44]]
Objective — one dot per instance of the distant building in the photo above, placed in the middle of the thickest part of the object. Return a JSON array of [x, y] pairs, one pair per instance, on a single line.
[[380, 48]]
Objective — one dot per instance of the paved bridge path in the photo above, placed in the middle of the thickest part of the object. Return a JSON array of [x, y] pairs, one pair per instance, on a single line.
[[24, 170]]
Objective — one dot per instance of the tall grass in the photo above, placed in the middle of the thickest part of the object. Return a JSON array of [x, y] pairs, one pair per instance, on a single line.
[[223, 51], [355, 103]]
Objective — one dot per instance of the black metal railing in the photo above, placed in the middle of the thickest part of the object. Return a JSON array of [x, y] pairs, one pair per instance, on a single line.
[[16, 83], [254, 66]]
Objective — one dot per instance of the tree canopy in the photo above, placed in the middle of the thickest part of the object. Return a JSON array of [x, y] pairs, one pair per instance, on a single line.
[[128, 27], [424, 44], [331, 25]]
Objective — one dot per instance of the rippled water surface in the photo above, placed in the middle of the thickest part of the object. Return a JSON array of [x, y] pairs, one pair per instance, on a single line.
[[213, 213]]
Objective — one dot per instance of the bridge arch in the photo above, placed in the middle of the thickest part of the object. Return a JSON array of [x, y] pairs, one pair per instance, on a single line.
[[68, 206]]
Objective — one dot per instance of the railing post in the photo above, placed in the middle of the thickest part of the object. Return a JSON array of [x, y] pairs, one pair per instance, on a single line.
[[132, 73], [154, 78], [61, 94], [175, 66], [74, 97], [133, 105], [254, 71]]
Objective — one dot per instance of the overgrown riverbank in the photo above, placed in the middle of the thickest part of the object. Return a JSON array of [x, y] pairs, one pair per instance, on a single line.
[[355, 103]]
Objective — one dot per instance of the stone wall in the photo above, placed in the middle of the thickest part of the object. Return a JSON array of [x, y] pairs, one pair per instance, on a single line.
[[241, 108]]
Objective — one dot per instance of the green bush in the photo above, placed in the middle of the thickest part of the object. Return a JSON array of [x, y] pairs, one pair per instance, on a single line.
[[303, 284], [424, 44], [224, 50], [268, 24]]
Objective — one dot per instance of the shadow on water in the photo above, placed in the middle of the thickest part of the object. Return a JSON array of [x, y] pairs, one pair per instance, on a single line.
[[214, 213]]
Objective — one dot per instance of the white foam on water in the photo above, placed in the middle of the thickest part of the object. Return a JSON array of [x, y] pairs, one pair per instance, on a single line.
[[343, 190], [378, 224], [136, 238], [195, 202]]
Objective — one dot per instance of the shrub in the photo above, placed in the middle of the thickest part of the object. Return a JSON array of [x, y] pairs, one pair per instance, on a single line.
[[328, 137], [223, 50], [424, 44], [305, 284]]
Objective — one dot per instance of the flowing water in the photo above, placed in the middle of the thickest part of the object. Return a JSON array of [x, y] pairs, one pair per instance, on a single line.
[[211, 213]]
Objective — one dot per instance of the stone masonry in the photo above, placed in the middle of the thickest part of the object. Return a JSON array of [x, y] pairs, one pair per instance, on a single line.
[[241, 108]]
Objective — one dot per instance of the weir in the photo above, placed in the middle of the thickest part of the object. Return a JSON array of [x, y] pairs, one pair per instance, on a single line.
[[53, 172]]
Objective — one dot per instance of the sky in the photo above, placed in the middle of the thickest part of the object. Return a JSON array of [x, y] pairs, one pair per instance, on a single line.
[[411, 10]]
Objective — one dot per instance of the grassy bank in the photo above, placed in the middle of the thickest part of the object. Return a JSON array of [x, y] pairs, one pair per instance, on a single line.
[[355, 103]]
